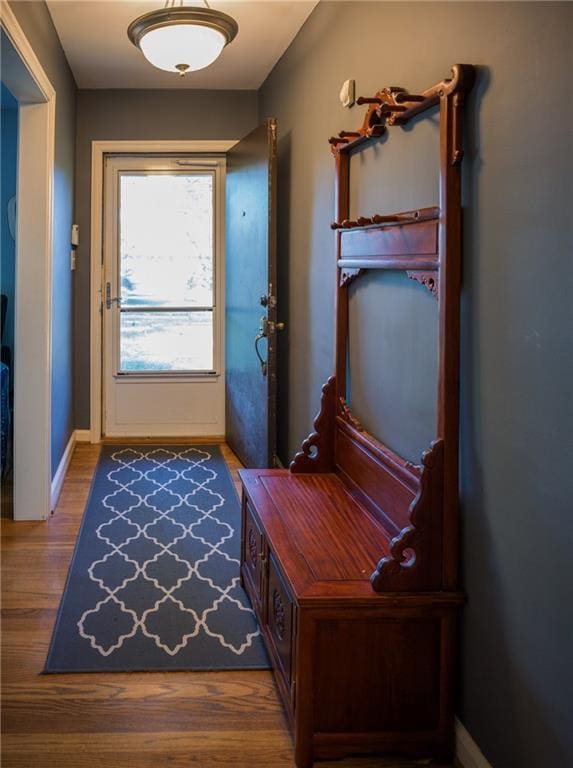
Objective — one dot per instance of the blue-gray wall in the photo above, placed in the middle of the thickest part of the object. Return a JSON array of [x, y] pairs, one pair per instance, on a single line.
[[36, 22], [8, 164], [516, 447]]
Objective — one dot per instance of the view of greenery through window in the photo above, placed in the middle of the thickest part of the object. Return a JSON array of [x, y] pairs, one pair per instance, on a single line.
[[166, 264]]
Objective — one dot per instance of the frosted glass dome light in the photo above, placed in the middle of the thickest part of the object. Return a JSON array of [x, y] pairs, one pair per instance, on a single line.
[[182, 39], [170, 47]]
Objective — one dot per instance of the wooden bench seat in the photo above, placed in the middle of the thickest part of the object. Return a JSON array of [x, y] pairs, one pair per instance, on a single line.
[[314, 520]]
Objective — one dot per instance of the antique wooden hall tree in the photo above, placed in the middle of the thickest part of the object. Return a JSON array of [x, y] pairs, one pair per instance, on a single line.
[[350, 557]]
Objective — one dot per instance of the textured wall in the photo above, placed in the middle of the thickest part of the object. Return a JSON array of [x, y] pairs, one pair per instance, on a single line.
[[106, 115], [36, 22], [516, 671]]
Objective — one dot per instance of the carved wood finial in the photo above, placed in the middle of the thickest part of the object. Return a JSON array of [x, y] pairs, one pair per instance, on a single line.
[[409, 550], [317, 451]]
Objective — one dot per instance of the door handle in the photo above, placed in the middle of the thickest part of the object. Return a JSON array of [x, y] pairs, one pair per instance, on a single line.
[[262, 334], [108, 299], [266, 327]]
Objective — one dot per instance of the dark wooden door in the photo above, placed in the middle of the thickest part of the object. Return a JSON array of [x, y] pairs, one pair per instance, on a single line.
[[251, 310]]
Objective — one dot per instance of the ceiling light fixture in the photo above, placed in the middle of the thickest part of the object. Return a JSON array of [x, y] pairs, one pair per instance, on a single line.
[[182, 38]]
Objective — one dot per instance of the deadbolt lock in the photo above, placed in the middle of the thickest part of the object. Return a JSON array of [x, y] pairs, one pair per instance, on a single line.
[[268, 300]]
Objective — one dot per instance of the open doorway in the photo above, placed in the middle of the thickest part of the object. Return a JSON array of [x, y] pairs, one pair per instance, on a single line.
[[9, 148], [25, 79]]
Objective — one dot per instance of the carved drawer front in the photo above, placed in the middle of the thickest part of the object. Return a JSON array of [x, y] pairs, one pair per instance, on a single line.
[[254, 554], [280, 619]]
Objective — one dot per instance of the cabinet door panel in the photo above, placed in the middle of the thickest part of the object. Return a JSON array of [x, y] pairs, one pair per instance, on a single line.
[[280, 619]]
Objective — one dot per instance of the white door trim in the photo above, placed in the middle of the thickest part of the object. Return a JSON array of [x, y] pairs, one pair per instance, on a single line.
[[32, 306], [99, 149]]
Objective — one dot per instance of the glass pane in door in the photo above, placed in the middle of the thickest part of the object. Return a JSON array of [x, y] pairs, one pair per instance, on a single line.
[[166, 261], [166, 341], [166, 239]]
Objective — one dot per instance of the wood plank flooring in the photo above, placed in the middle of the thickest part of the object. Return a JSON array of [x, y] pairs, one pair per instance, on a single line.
[[120, 720]]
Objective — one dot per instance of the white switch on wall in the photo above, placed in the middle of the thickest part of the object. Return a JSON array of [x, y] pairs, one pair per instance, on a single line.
[[347, 93]]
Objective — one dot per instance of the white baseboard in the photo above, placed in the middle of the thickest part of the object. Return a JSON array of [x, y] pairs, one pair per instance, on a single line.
[[83, 436], [59, 477], [468, 754]]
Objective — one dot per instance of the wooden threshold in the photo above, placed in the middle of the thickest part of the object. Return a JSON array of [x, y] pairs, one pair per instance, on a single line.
[[164, 440]]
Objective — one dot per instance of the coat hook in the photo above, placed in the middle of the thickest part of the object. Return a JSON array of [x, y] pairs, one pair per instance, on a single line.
[[389, 108], [378, 219], [368, 100], [403, 97]]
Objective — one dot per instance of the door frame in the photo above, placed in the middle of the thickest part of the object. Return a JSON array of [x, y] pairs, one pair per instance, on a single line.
[[33, 290], [99, 150]]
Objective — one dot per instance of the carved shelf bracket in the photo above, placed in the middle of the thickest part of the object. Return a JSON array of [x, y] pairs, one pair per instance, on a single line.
[[428, 279], [317, 451], [348, 276], [408, 550]]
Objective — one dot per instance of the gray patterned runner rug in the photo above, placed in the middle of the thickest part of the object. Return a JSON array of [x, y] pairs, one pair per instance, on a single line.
[[154, 580]]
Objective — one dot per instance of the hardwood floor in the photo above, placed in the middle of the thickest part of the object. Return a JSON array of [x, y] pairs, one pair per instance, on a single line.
[[119, 720]]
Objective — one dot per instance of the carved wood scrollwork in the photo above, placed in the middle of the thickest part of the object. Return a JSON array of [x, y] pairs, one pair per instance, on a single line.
[[317, 451], [253, 548], [279, 614], [413, 551], [428, 279], [396, 106], [345, 413]]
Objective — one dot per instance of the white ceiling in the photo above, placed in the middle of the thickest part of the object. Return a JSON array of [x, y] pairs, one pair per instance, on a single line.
[[94, 38]]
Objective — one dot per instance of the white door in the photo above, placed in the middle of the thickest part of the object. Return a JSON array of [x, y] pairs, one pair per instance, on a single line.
[[162, 297]]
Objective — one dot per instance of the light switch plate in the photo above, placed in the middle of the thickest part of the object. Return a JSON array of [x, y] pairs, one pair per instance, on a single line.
[[347, 93]]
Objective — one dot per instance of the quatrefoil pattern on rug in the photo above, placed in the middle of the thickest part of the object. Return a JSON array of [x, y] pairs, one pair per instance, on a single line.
[[154, 583]]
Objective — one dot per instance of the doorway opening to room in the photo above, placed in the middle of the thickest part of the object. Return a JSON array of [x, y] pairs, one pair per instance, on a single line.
[[9, 142], [27, 226], [163, 296]]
